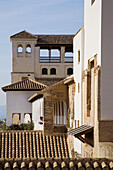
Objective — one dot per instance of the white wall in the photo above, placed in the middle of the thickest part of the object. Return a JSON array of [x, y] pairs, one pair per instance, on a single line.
[[17, 102], [37, 111], [78, 68], [107, 61], [92, 27]]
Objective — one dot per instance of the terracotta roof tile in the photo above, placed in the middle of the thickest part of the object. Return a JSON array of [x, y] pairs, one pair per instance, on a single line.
[[23, 34], [67, 164], [32, 144], [46, 39], [26, 84], [55, 39]]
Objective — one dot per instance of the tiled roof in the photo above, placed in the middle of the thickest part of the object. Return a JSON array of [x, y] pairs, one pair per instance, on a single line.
[[34, 97], [55, 39], [26, 84], [32, 144], [23, 34], [61, 164], [46, 39], [48, 81], [80, 130]]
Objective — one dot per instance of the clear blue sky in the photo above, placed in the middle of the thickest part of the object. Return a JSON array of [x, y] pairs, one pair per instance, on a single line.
[[35, 16]]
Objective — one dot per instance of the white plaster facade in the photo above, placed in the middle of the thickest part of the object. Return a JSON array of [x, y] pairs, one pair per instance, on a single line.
[[97, 40], [37, 113], [17, 102]]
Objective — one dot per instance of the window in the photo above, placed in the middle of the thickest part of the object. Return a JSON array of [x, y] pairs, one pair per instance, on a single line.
[[16, 118], [68, 57], [92, 1], [78, 87], [44, 71], [60, 113], [27, 117], [20, 48], [69, 71], [28, 48], [79, 57], [92, 64], [53, 71], [44, 55], [55, 53]]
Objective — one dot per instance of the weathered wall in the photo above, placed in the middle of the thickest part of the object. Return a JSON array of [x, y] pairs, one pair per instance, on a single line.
[[58, 93], [24, 64]]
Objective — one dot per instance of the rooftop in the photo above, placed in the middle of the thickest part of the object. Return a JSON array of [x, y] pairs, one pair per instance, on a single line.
[[32, 144], [26, 84], [46, 39]]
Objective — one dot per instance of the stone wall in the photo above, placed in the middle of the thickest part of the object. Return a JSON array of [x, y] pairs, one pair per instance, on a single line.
[[50, 97]]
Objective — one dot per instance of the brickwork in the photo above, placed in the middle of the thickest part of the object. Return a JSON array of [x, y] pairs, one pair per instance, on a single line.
[[58, 93]]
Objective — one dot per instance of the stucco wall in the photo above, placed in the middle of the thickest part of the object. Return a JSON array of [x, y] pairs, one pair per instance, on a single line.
[[78, 68], [92, 27], [16, 102], [37, 111], [24, 64], [107, 61]]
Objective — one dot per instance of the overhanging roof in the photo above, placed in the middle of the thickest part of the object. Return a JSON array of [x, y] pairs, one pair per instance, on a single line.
[[81, 130]]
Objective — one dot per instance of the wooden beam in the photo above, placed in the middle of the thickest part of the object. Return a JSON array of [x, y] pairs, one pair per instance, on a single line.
[[84, 140]]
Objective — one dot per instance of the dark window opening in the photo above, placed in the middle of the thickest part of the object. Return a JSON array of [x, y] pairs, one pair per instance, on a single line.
[[53, 71], [92, 1], [92, 64], [69, 71], [44, 71]]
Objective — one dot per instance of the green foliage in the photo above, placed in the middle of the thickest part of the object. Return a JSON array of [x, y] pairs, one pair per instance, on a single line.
[[4, 126], [28, 126]]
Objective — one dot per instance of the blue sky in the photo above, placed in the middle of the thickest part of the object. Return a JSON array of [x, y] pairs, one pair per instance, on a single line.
[[35, 16]]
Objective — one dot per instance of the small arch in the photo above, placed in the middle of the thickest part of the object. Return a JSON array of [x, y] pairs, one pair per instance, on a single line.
[[20, 48], [69, 71], [27, 117], [53, 71], [16, 118], [44, 71], [28, 48]]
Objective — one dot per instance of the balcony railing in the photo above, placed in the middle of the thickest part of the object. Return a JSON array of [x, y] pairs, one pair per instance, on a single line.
[[44, 59], [68, 59]]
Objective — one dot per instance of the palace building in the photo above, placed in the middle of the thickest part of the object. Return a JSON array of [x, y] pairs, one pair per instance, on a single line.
[[64, 83]]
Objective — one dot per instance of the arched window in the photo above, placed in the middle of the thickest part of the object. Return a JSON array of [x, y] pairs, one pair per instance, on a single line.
[[44, 71], [60, 113], [16, 118], [69, 71], [53, 71], [28, 48], [20, 48], [27, 117]]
